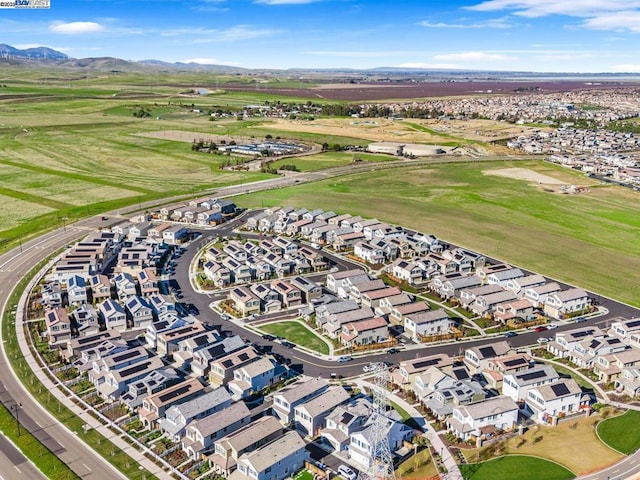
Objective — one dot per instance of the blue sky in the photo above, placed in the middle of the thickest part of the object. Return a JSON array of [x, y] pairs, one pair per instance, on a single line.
[[530, 35]]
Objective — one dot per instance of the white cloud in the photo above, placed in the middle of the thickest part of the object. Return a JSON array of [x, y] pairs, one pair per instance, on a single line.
[[75, 28], [473, 57], [494, 23], [541, 8], [443, 66], [627, 20]]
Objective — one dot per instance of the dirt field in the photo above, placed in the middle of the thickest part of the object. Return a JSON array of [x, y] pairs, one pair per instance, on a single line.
[[374, 129], [398, 90], [525, 174]]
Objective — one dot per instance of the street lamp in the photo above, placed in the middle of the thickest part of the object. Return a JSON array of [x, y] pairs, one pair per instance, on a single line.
[[16, 409]]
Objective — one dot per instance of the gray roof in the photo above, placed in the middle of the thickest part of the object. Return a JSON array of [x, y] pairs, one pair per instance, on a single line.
[[301, 388], [250, 434], [491, 406], [273, 452], [202, 403], [326, 401], [219, 420]]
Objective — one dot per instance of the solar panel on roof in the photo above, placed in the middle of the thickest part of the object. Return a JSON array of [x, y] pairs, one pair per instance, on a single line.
[[560, 389], [175, 393], [487, 351], [516, 361], [426, 363], [532, 375], [633, 324], [582, 334], [138, 367], [346, 417]]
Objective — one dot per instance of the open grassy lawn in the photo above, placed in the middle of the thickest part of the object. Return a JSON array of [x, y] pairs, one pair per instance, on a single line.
[[573, 443], [419, 466], [591, 240], [321, 161], [512, 467], [299, 334], [621, 432]]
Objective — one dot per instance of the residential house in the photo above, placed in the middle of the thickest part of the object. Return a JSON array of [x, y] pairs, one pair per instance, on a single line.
[[201, 434], [609, 367], [555, 400], [202, 358], [516, 385], [276, 460], [76, 290], [100, 287], [408, 370], [112, 315], [434, 322], [125, 286], [176, 418], [483, 418], [514, 310], [221, 369], [290, 296], [333, 326], [585, 352], [361, 444], [364, 332], [148, 282], [139, 312], [565, 342], [566, 302], [167, 340], [245, 301], [310, 289], [58, 325], [85, 319], [468, 296], [346, 420], [538, 295], [254, 377], [174, 235], [309, 416], [289, 397], [398, 313], [519, 285], [628, 383], [228, 449], [477, 358], [154, 406]]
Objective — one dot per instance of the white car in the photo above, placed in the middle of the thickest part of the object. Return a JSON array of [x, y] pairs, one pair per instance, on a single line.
[[552, 326], [542, 340], [346, 473]]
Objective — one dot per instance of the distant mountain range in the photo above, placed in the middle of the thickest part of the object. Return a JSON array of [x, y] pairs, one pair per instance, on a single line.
[[49, 57]]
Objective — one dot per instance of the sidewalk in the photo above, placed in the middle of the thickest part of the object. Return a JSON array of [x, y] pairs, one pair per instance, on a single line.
[[88, 420], [453, 472]]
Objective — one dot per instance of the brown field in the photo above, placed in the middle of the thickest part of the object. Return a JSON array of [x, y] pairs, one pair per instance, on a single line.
[[381, 91]]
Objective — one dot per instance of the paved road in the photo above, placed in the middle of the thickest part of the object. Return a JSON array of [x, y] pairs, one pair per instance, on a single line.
[[14, 465]]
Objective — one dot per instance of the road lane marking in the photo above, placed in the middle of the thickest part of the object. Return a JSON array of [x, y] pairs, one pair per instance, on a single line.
[[85, 466], [16, 467]]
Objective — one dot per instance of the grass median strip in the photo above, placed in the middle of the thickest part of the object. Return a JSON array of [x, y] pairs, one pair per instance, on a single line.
[[299, 334]]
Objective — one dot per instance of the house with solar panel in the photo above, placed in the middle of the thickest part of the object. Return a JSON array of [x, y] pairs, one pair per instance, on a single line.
[[483, 419], [556, 400], [516, 385], [477, 358]]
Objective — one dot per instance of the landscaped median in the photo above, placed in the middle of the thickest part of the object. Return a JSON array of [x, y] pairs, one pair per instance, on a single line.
[[573, 444], [298, 333], [621, 432], [512, 467], [43, 459]]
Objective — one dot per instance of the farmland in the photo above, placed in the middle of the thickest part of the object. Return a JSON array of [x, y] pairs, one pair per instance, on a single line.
[[589, 240]]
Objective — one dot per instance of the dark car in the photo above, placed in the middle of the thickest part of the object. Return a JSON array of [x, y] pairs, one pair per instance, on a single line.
[[541, 328], [286, 344], [268, 337], [393, 350]]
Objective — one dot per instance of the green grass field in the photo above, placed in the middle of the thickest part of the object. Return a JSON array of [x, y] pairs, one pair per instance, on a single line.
[[591, 240], [621, 432], [321, 161], [515, 466], [299, 334]]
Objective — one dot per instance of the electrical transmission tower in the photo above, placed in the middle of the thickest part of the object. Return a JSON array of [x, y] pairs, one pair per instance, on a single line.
[[380, 459]]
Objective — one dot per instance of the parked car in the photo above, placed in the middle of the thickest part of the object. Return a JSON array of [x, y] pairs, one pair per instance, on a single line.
[[286, 344], [541, 328], [510, 334], [268, 337], [580, 320], [347, 473], [552, 326], [542, 340], [345, 358], [393, 350], [367, 368]]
